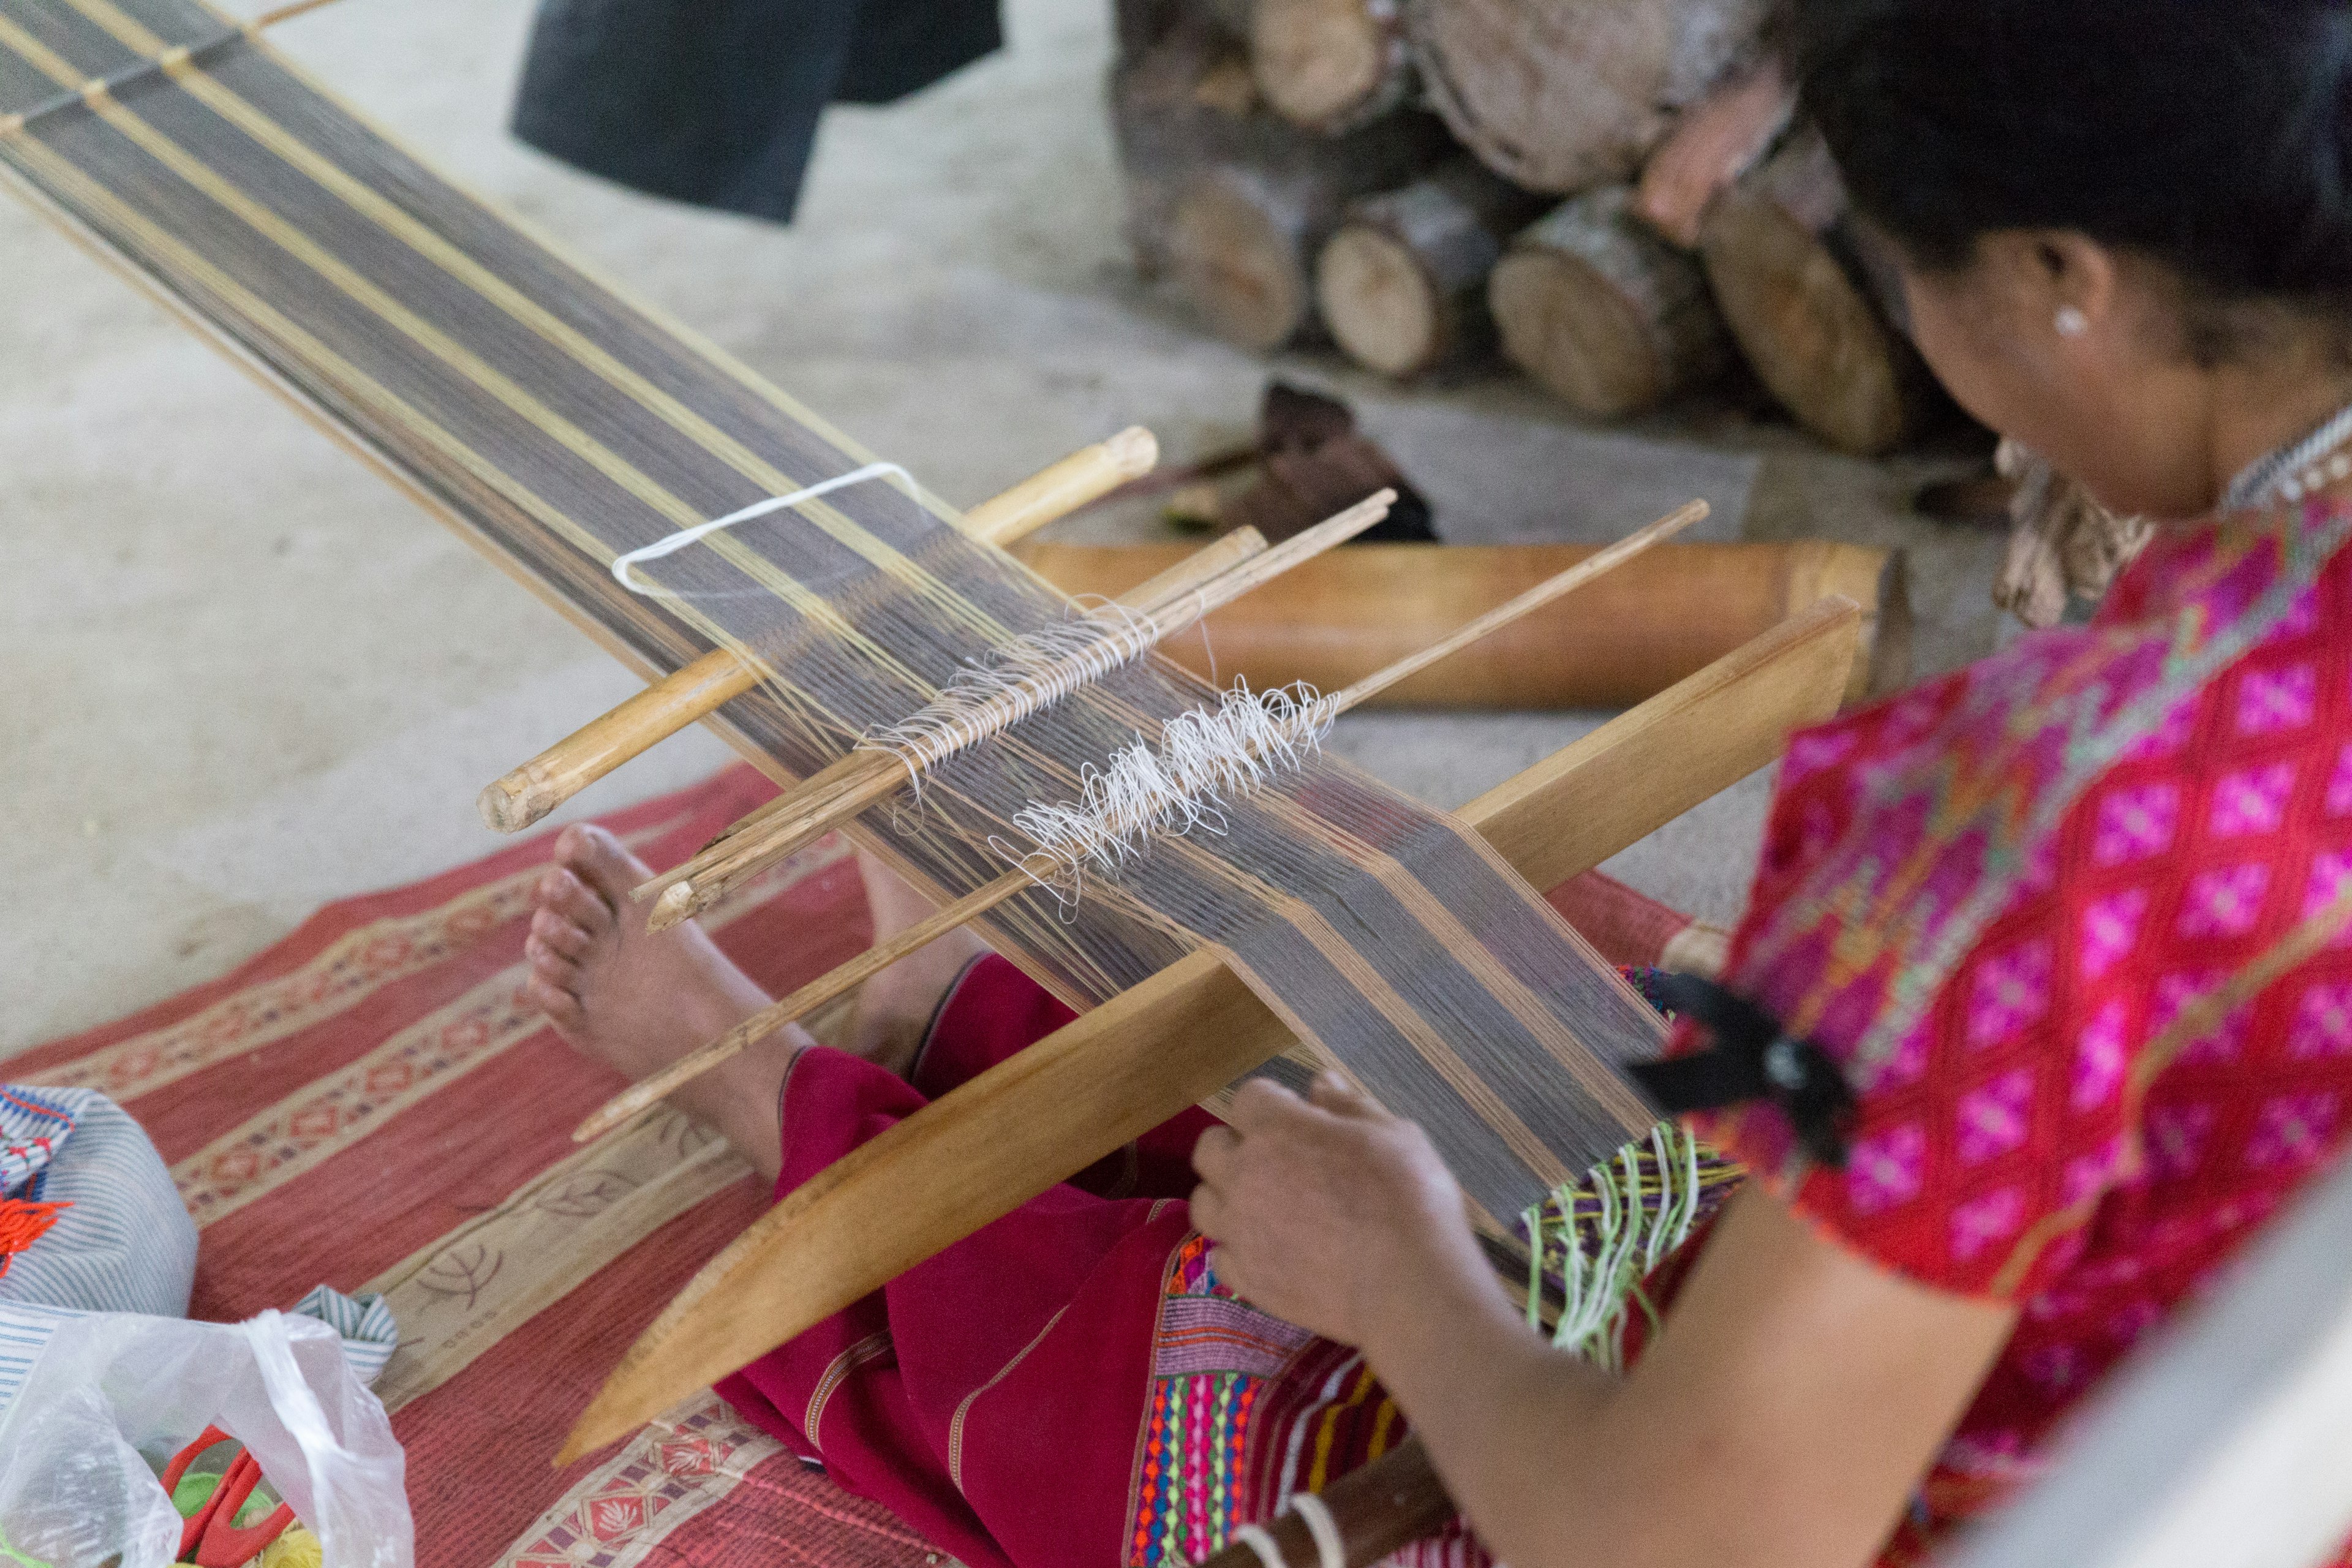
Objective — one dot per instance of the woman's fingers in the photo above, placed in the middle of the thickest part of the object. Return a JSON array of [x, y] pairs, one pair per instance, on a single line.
[[1208, 1211], [1259, 1104], [1335, 1091], [1214, 1152]]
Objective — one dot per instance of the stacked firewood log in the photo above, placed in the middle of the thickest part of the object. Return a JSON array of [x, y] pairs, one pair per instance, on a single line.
[[1609, 192]]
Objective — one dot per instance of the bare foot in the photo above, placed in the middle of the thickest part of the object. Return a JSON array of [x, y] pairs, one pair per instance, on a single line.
[[639, 1000], [896, 1007]]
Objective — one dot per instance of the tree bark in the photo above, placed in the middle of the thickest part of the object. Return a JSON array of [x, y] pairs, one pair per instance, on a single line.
[[1243, 235], [1602, 312], [1258, 194], [1794, 287], [1329, 66], [1564, 95], [1402, 282]]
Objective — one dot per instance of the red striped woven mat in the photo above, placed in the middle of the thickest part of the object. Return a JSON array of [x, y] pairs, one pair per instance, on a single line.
[[366, 1104]]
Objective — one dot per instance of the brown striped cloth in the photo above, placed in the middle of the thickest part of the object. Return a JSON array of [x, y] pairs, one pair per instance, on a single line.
[[562, 425]]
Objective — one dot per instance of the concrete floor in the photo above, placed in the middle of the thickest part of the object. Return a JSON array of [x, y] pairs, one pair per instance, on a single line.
[[242, 677]]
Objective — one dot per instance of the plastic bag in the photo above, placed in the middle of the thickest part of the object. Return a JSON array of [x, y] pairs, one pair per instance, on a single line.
[[113, 1396]]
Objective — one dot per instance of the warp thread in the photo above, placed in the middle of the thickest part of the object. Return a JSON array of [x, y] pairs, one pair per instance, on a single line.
[[1207, 758], [998, 690], [1602, 1236]]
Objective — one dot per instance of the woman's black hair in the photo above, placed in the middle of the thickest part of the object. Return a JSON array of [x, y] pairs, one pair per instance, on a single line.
[[2214, 136]]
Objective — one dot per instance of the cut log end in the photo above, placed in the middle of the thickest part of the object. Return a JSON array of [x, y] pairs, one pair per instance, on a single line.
[[1809, 326], [1578, 337], [1602, 312], [1325, 65], [1380, 303], [1402, 282], [1238, 255]]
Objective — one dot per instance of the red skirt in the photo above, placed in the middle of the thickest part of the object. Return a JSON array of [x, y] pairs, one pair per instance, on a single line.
[[1068, 1385], [990, 1397]]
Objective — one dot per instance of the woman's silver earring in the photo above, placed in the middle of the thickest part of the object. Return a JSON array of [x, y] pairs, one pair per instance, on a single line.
[[2072, 323]]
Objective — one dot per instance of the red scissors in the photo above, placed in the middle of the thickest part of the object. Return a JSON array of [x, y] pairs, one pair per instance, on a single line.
[[210, 1537]]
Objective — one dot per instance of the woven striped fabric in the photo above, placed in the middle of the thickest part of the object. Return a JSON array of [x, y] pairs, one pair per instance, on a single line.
[[123, 1244], [365, 1103], [564, 426], [369, 1334]]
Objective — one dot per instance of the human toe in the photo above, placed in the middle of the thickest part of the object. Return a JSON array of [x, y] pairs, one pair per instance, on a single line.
[[560, 934], [563, 894], [547, 996], [601, 861]]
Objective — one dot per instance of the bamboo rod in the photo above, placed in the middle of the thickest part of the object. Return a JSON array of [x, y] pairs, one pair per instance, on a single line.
[[284, 13], [705, 879], [696, 690], [989, 1146], [640, 1096], [1534, 599]]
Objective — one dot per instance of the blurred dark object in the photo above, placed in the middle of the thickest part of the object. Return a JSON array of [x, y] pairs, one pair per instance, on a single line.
[[1981, 499], [717, 102], [1315, 463]]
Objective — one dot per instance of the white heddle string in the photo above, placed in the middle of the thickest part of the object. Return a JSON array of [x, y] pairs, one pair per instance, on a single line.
[[686, 536], [1034, 670], [1206, 757]]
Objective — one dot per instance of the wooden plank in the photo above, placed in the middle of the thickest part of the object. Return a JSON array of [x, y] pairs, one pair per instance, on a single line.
[[1115, 1072]]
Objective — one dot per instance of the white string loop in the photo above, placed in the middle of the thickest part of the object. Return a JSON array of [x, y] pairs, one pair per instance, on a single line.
[[686, 536]]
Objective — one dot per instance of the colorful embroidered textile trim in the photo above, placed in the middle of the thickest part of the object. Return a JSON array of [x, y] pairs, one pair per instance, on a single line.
[[1211, 1358], [1245, 1410]]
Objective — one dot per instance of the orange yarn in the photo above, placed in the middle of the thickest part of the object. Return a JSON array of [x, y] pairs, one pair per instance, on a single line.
[[23, 1222]]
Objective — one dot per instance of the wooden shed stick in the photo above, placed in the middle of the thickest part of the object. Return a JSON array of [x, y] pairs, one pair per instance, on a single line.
[[848, 976], [1114, 1073], [878, 774], [697, 689]]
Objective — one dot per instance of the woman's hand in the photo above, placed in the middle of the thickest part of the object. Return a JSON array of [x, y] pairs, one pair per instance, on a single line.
[[1330, 1212]]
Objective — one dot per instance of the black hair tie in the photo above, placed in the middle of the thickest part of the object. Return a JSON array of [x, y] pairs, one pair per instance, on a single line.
[[1752, 1058]]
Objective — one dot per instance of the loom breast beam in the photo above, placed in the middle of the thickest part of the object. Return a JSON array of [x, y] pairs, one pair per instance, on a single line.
[[1115, 1072], [638, 1096], [699, 690], [872, 773]]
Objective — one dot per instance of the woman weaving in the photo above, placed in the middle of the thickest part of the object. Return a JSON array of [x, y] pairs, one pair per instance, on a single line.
[[1986, 902]]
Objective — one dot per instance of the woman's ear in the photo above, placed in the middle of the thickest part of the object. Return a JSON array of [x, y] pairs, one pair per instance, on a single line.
[[2049, 285], [2078, 274]]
